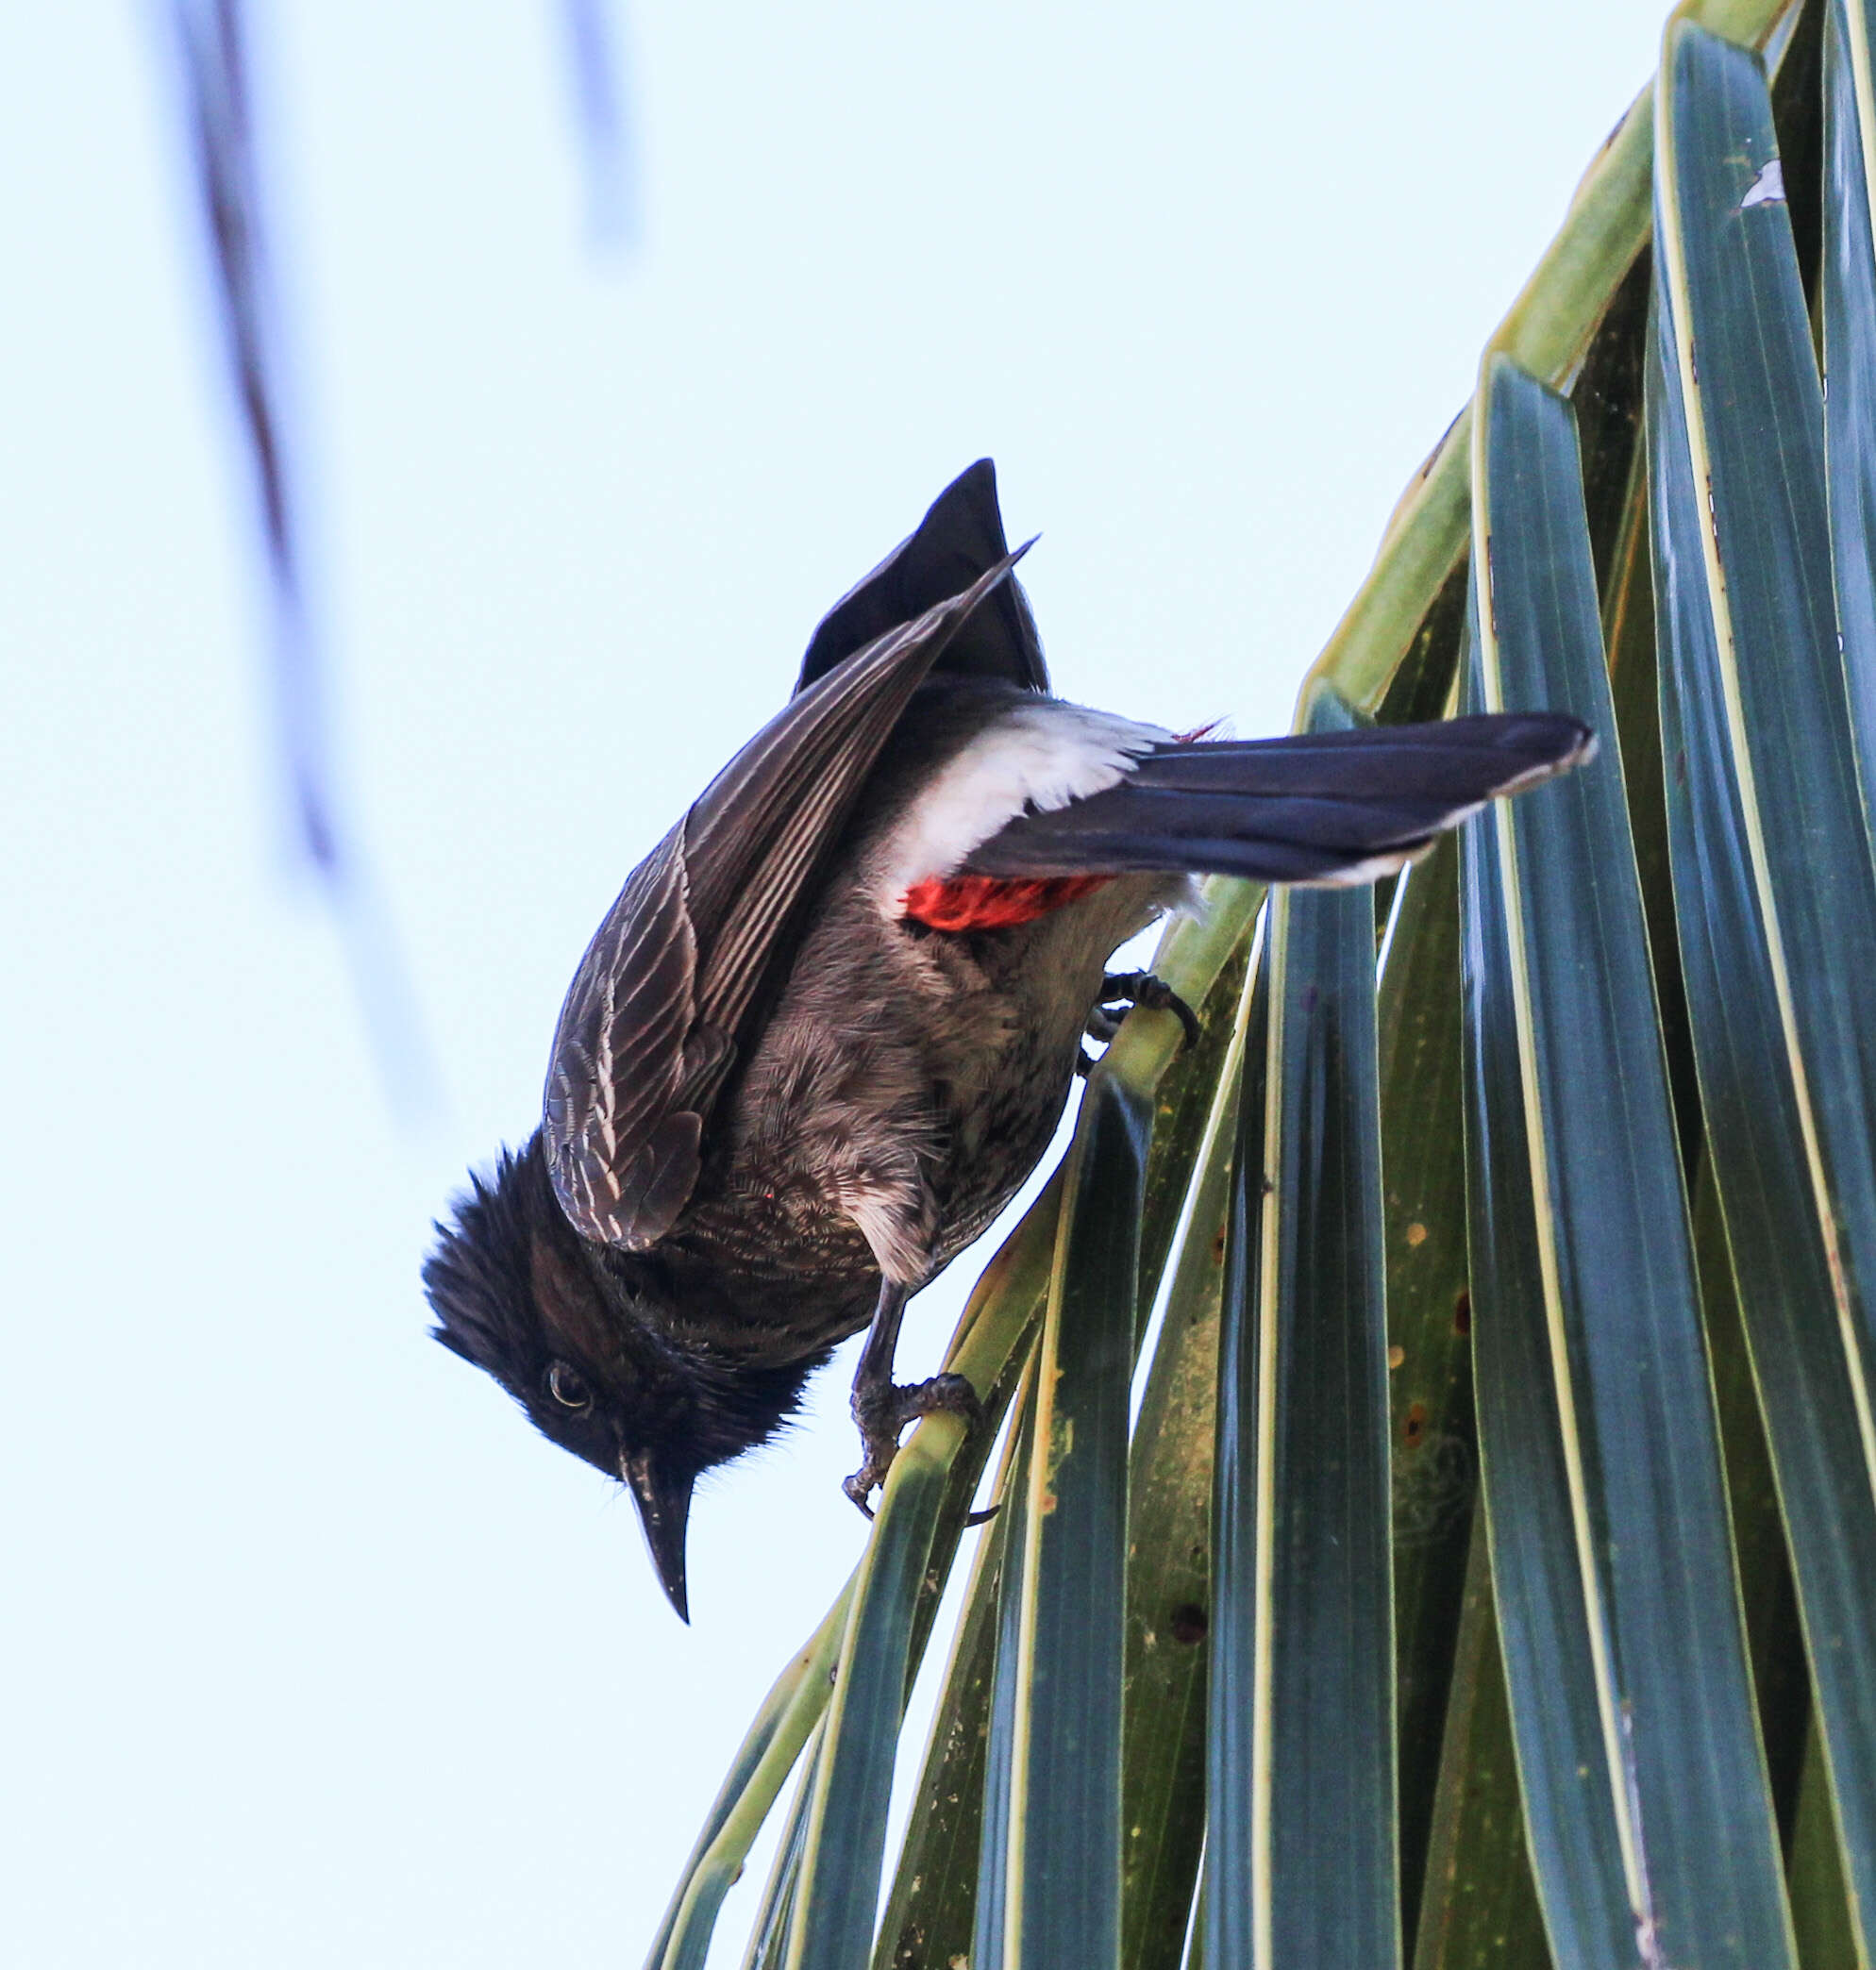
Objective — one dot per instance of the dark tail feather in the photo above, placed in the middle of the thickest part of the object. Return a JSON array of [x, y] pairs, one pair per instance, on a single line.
[[1327, 807], [959, 539]]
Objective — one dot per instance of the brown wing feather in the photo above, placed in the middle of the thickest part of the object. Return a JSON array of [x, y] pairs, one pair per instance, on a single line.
[[618, 1054], [668, 988]]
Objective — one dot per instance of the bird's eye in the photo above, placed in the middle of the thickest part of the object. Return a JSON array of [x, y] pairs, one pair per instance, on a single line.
[[567, 1389]]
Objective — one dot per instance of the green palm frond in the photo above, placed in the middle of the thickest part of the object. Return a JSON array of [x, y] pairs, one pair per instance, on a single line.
[[1565, 1208]]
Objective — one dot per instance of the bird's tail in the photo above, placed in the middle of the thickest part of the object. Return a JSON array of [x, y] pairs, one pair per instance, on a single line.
[[1323, 807]]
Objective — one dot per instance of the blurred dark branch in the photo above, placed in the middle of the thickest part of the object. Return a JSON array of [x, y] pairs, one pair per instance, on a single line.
[[210, 41], [218, 106], [595, 69]]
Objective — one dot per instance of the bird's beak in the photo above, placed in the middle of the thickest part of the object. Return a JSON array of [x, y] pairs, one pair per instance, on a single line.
[[664, 1511]]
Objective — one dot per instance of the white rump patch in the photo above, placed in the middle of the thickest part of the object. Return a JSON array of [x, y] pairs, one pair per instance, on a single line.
[[1042, 754]]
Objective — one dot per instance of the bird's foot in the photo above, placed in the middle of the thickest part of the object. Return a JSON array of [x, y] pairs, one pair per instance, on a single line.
[[882, 1412], [1121, 991]]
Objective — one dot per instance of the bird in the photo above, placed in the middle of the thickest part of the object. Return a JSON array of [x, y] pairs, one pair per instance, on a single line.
[[831, 1021]]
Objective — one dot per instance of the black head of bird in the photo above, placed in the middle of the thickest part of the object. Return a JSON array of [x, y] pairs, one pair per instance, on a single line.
[[579, 1338]]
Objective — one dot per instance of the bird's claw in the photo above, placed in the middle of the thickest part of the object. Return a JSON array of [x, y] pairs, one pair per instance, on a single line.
[[1127, 990], [884, 1413]]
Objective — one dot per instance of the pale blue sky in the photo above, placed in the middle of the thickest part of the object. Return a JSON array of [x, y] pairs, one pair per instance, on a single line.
[[315, 1655]]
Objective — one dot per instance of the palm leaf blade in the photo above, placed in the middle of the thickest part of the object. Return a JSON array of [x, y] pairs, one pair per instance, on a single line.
[[768, 1935], [934, 1890], [1771, 865], [790, 1715], [1479, 1906], [1168, 1570], [1064, 1881], [1665, 1707], [1850, 349], [836, 1901], [1305, 1614], [1428, 1320]]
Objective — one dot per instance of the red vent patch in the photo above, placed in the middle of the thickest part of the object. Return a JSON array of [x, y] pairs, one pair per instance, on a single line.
[[993, 902]]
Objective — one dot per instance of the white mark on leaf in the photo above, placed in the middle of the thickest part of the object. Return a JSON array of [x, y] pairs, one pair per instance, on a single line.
[[1767, 187]]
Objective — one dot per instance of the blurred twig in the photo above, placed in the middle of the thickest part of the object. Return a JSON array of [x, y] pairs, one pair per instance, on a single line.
[[213, 45], [596, 71], [213, 54]]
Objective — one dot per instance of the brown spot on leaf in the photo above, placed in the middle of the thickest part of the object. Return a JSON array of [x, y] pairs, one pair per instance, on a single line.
[[1416, 1425], [1417, 1234], [1187, 1622], [1462, 1312]]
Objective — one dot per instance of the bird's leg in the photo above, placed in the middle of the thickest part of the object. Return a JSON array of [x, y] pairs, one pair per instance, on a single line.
[[1130, 989], [882, 1408]]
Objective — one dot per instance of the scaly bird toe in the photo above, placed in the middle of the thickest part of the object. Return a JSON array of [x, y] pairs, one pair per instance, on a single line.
[[884, 1413], [1130, 989]]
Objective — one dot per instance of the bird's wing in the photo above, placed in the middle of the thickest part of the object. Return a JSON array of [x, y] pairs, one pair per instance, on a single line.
[[1324, 807], [662, 1001], [958, 539]]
